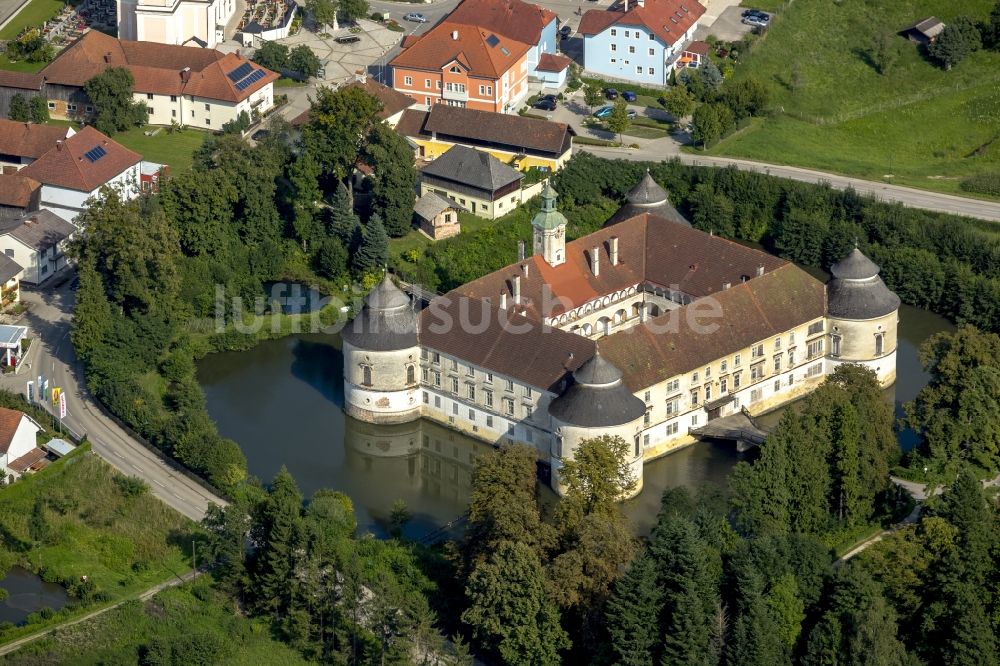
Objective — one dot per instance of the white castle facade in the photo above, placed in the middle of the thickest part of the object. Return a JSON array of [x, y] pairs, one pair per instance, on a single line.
[[178, 22], [646, 329]]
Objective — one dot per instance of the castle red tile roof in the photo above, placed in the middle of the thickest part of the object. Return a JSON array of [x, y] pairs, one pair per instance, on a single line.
[[667, 19], [161, 69], [479, 50], [520, 21], [27, 139], [66, 165], [16, 190]]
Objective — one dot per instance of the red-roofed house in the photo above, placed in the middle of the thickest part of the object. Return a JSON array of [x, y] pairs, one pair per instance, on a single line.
[[76, 169], [551, 70], [183, 84], [17, 437], [513, 19], [23, 143], [694, 55], [640, 41]]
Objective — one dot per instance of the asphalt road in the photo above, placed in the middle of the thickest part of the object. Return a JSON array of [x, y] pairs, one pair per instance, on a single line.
[[48, 318]]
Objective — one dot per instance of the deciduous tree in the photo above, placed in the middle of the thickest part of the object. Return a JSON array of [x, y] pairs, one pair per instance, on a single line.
[[619, 121], [678, 102], [272, 55], [394, 178], [114, 108], [304, 60]]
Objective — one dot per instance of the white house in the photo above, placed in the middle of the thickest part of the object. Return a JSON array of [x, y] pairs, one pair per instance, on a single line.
[[76, 169], [17, 440], [201, 22], [37, 242], [638, 40]]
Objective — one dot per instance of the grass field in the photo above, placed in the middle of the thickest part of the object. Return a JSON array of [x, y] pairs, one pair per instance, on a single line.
[[194, 618], [917, 125], [175, 149], [36, 13], [123, 544]]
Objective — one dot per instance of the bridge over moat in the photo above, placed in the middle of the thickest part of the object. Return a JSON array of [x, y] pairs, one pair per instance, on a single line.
[[739, 427]]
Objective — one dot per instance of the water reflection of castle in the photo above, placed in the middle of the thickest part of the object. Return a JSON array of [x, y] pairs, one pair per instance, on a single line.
[[420, 455]]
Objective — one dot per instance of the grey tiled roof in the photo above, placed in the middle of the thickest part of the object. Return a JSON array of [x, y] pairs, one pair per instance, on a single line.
[[433, 204], [38, 230], [386, 322], [597, 397], [472, 167], [856, 290], [855, 266], [8, 268]]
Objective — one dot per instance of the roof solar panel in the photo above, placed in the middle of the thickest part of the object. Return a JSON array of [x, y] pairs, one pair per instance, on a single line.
[[492, 40], [251, 79], [240, 72], [95, 154]]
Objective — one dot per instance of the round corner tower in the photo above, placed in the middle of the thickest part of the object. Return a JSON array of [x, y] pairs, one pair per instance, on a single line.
[[863, 317], [382, 358], [647, 197], [597, 402]]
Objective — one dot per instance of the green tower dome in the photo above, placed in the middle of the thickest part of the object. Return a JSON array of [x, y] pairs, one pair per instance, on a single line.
[[548, 217]]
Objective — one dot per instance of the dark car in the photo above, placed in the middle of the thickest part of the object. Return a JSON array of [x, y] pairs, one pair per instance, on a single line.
[[628, 96], [348, 39], [610, 93], [546, 103], [566, 31], [259, 135]]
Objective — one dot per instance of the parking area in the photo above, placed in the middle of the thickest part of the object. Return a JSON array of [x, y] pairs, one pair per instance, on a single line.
[[728, 27]]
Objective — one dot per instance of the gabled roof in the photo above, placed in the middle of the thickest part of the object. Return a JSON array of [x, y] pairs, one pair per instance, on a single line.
[[10, 419], [38, 230], [83, 162], [550, 62], [669, 20], [433, 204], [28, 139], [488, 129], [474, 168], [9, 269], [16, 190], [699, 47], [479, 50], [22, 80], [28, 460], [930, 27], [161, 69], [520, 21]]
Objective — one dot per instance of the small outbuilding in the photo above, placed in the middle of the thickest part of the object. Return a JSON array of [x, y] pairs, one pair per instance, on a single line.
[[925, 31], [437, 216]]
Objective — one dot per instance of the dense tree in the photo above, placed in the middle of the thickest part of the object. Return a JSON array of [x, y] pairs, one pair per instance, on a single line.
[[711, 122], [637, 599], [304, 177], [324, 12], [17, 108], [957, 41], [331, 259], [304, 60], [353, 9], [509, 609], [592, 95], [277, 535], [342, 221], [991, 33], [745, 97], [115, 110], [678, 102], [339, 122], [598, 475], [618, 121], [884, 52], [373, 249], [394, 178], [272, 55]]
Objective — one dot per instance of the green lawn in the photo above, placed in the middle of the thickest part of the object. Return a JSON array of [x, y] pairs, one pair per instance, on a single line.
[[917, 125], [193, 619], [285, 82], [176, 149], [36, 13], [122, 543], [20, 65]]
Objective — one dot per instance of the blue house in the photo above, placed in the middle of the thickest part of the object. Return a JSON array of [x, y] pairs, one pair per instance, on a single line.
[[639, 41], [513, 19]]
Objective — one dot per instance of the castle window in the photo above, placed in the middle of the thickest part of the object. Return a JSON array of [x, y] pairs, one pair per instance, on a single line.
[[527, 392], [757, 351], [427, 398], [708, 372], [708, 392], [736, 361], [791, 357], [756, 372], [454, 384], [528, 411], [470, 391], [488, 398], [509, 385], [645, 417], [814, 370], [694, 378], [723, 366], [694, 419], [489, 421], [673, 406], [470, 371], [673, 385], [489, 377], [436, 358], [777, 363], [791, 338], [472, 415], [424, 375], [835, 345], [647, 396], [411, 374], [777, 343], [437, 379], [508, 406], [777, 385], [694, 398], [454, 365], [645, 442], [637, 445], [815, 328], [879, 344], [723, 385], [816, 348], [672, 428], [736, 380], [755, 395], [366, 375]]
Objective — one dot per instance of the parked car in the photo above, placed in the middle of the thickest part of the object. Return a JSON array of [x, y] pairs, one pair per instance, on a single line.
[[611, 93], [628, 96], [348, 39], [756, 22], [259, 135], [566, 31], [416, 17], [546, 103], [604, 112]]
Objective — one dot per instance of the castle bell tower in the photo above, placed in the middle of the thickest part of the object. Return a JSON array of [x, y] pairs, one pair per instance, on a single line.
[[550, 229]]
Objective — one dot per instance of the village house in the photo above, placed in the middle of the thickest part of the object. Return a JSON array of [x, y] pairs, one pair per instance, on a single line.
[[37, 242], [552, 70], [186, 85], [19, 195], [437, 216], [18, 442], [523, 142], [925, 31], [639, 41], [25, 84], [76, 169], [197, 22], [478, 181], [23, 143], [520, 21]]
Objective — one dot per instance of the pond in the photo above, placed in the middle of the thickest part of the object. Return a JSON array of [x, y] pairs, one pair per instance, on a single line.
[[282, 401], [27, 593]]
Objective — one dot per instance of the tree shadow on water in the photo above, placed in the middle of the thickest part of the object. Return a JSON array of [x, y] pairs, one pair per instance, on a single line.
[[321, 366]]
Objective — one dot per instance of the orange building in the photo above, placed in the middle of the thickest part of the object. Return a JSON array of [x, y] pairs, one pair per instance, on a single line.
[[463, 65]]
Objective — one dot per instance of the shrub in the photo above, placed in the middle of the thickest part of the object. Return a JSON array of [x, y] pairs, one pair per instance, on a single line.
[[131, 486], [983, 183]]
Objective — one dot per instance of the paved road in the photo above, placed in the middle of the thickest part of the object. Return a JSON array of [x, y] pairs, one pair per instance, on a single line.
[[13, 646], [48, 319]]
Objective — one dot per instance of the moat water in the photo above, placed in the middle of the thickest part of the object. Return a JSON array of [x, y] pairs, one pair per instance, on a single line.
[[282, 402]]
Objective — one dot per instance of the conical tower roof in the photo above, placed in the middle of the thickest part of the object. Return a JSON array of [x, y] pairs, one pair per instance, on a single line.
[[387, 321], [597, 397], [855, 266], [647, 193]]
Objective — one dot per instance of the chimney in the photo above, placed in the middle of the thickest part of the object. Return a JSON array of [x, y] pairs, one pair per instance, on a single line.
[[454, 35], [520, 250], [725, 285], [517, 289], [107, 57], [185, 75], [59, 144], [760, 270], [641, 3], [524, 269], [613, 246], [503, 300], [595, 261]]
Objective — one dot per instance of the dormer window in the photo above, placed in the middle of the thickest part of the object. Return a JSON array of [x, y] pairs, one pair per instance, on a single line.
[[454, 69]]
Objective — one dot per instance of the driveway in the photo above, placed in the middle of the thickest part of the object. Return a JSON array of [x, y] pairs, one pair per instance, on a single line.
[[728, 26]]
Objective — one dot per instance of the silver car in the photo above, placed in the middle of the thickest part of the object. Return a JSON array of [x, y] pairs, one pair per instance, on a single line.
[[415, 17]]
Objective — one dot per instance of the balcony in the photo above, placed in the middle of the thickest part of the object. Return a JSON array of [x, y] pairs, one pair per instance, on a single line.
[[461, 96]]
